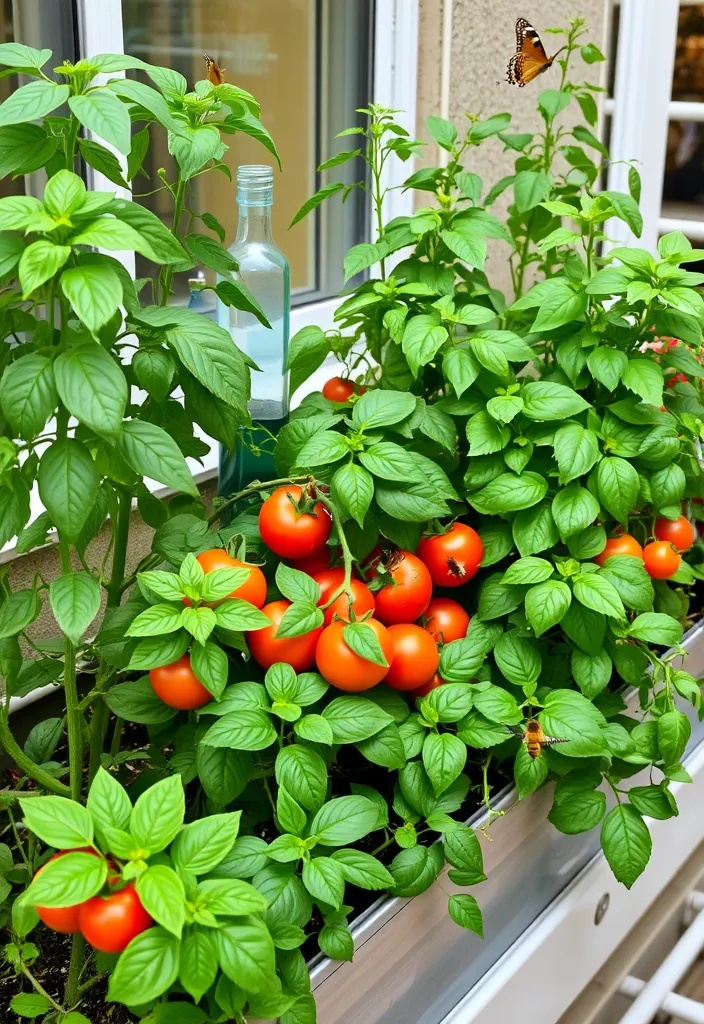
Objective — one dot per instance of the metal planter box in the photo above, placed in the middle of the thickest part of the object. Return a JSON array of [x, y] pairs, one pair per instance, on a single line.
[[412, 963]]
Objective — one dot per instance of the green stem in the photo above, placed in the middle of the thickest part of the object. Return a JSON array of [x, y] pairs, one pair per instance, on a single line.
[[78, 949], [346, 585], [178, 210], [254, 489], [40, 988], [18, 842], [98, 728], [382, 846], [28, 766], [74, 720], [116, 737]]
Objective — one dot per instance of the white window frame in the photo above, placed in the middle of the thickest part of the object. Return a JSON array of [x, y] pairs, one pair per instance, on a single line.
[[394, 85], [642, 108]]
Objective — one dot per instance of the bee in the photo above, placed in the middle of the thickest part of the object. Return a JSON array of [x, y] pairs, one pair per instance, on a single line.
[[216, 74], [535, 739]]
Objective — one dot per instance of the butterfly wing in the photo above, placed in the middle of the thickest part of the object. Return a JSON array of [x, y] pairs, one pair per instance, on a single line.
[[216, 75], [530, 58]]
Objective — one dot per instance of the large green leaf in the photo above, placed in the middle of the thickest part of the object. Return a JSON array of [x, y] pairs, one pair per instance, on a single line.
[[153, 453], [105, 115], [68, 486], [92, 386]]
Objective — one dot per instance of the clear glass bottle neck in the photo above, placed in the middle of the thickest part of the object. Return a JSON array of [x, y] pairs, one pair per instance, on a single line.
[[254, 224]]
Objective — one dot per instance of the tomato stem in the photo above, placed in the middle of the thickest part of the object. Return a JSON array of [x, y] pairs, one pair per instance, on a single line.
[[38, 987], [254, 489], [28, 766], [78, 949], [346, 585]]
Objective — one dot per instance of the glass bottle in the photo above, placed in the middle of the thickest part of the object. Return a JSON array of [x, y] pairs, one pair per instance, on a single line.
[[264, 270]]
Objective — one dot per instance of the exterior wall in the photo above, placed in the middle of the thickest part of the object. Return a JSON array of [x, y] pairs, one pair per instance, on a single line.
[[467, 73]]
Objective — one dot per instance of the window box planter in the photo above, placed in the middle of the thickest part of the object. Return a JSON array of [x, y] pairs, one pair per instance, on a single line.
[[413, 963]]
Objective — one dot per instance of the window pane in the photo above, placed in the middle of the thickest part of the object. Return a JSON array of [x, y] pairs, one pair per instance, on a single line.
[[307, 62], [41, 24], [683, 191]]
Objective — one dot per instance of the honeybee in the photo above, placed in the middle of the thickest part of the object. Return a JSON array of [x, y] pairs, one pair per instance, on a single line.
[[216, 74], [535, 739]]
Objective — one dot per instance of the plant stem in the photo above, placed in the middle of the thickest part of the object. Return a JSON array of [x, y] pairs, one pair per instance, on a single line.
[[28, 766], [74, 720], [178, 210], [382, 846], [254, 489], [78, 949], [346, 585], [40, 988], [18, 842]]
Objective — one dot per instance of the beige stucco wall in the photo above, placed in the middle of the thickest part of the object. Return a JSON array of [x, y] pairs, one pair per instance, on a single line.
[[474, 78]]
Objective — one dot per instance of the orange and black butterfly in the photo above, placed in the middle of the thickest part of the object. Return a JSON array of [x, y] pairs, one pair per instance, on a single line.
[[530, 58], [216, 74]]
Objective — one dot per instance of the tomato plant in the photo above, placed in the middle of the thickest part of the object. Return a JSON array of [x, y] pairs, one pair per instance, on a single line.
[[542, 417], [346, 668], [407, 595], [254, 587], [339, 389], [330, 582], [661, 559], [678, 532], [267, 648], [109, 923], [452, 557], [293, 525], [623, 544], [415, 660], [445, 620], [178, 685]]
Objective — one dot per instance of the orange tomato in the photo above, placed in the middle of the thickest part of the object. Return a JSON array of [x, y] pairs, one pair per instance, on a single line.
[[342, 667], [678, 532], [407, 597], [446, 620], [424, 690], [454, 557], [178, 686], [296, 651], [624, 544], [254, 587], [661, 560], [362, 599], [416, 657]]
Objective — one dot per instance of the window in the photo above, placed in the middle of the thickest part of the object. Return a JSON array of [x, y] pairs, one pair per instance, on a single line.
[[658, 113], [308, 62]]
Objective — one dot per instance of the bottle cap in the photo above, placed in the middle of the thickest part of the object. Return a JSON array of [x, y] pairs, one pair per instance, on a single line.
[[255, 185]]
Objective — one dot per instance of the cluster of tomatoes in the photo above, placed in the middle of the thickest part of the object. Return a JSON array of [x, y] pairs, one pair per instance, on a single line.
[[398, 592], [661, 556], [396, 601], [108, 922]]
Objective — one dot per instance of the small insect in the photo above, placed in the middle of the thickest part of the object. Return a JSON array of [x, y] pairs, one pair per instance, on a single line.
[[216, 74], [535, 739], [530, 58]]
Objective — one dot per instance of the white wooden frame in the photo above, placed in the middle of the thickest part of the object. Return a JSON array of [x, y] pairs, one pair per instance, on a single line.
[[642, 108]]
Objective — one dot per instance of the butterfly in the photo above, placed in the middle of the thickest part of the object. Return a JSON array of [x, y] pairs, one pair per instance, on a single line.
[[216, 74], [530, 58]]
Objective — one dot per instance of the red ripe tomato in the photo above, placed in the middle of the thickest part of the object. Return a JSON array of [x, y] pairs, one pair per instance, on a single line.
[[409, 595], [453, 557], [624, 544], [345, 669], [178, 686], [296, 651], [314, 564], [340, 389], [362, 603], [109, 923], [424, 690], [446, 620], [62, 919], [253, 589], [287, 529], [661, 560], [416, 657], [678, 532]]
